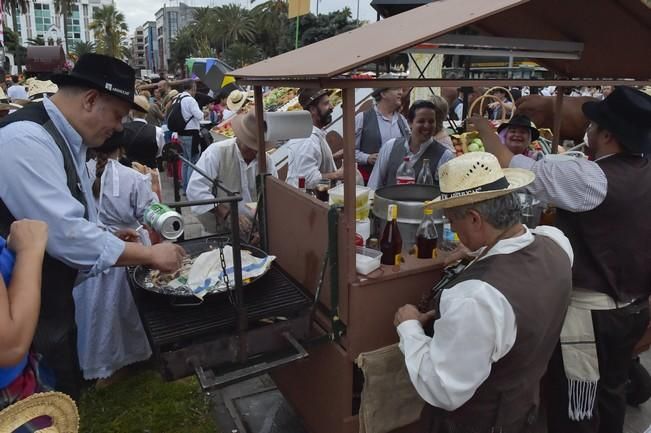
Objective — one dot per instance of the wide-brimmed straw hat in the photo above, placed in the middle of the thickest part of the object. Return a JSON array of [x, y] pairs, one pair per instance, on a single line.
[[236, 100], [142, 102], [37, 90], [245, 128], [475, 177]]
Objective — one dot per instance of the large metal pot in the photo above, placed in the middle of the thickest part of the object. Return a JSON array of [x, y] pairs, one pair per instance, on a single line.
[[410, 199]]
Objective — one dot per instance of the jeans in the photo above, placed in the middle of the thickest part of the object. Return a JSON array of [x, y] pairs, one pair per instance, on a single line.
[[186, 142]]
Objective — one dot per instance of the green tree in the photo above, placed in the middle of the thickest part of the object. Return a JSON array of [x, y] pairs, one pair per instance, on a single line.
[[239, 54], [80, 48], [36, 41], [63, 8], [271, 22], [13, 46], [110, 31], [182, 47], [235, 24]]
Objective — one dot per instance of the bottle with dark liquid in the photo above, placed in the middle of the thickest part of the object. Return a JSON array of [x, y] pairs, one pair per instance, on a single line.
[[321, 190], [426, 236], [391, 242]]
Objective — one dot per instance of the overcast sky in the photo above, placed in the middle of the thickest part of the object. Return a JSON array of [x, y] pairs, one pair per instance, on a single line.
[[139, 11]]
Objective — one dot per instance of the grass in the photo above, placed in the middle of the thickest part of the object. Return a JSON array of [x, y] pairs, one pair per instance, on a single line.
[[143, 403]]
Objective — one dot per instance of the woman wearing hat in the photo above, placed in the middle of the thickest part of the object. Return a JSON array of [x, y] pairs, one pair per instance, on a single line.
[[517, 135], [418, 146], [110, 334], [235, 103], [234, 162], [479, 365], [603, 207]]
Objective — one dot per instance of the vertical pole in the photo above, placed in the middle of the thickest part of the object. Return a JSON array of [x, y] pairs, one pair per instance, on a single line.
[[348, 102], [298, 23], [558, 118], [357, 10], [262, 166]]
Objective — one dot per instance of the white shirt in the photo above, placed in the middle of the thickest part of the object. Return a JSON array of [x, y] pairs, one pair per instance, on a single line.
[[305, 159], [190, 111], [227, 114], [476, 329], [16, 92], [458, 110], [389, 128], [199, 188], [566, 182], [380, 173], [160, 136]]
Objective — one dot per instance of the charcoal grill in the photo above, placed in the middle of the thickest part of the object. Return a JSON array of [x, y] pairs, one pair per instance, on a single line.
[[200, 338]]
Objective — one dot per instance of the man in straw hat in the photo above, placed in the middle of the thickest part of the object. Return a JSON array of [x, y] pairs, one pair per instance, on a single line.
[[378, 125], [43, 176], [311, 157], [234, 162], [235, 102], [500, 318], [602, 207]]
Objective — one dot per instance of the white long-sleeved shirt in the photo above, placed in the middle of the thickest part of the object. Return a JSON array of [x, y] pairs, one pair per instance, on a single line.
[[191, 112], [476, 329], [306, 157], [199, 188], [389, 128], [380, 171]]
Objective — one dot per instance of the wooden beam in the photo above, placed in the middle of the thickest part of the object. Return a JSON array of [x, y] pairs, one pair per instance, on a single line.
[[259, 116], [348, 105], [558, 119]]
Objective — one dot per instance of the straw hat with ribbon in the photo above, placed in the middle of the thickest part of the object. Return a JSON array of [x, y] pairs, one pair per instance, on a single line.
[[245, 128], [61, 409], [38, 89], [475, 177], [236, 100]]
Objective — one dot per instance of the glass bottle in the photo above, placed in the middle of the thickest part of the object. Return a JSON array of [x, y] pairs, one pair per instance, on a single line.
[[391, 242], [425, 176], [426, 236], [405, 174]]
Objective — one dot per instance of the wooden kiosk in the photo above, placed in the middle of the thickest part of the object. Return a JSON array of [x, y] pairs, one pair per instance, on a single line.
[[357, 313]]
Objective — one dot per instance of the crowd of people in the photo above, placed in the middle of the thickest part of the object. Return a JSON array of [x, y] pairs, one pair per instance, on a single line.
[[562, 306]]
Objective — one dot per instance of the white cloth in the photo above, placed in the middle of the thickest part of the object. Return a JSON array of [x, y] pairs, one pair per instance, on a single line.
[[199, 188], [389, 128], [309, 157], [110, 333], [191, 112], [16, 92], [227, 114], [566, 182], [476, 329], [458, 111], [160, 136], [380, 171]]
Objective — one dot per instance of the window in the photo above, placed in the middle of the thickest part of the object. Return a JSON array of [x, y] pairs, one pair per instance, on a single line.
[[42, 18]]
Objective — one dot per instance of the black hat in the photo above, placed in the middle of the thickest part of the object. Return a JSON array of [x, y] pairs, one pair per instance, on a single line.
[[104, 73], [308, 97], [524, 121], [113, 143], [626, 113]]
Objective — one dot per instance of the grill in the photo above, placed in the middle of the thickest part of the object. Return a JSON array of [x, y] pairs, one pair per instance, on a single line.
[[186, 340]]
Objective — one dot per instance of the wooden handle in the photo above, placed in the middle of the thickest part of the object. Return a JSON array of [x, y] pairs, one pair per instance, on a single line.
[[489, 92], [481, 98]]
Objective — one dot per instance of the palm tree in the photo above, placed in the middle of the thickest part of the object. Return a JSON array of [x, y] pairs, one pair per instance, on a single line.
[[39, 40], [63, 8], [15, 7], [271, 20], [240, 54], [235, 24], [110, 31], [80, 48]]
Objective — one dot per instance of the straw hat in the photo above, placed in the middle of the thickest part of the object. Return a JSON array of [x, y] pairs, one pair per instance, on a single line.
[[37, 89], [59, 407], [236, 100], [245, 128], [142, 102], [5, 102], [475, 177]]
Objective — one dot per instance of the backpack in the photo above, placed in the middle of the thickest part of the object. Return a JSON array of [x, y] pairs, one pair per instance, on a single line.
[[175, 121]]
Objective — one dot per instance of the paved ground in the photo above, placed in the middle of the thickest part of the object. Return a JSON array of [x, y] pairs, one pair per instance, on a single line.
[[255, 406]]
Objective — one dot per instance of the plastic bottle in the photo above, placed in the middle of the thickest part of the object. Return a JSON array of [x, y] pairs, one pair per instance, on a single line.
[[425, 176], [405, 174], [450, 239], [426, 236]]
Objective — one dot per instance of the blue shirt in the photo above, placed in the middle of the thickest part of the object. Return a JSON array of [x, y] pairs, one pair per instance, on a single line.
[[33, 185]]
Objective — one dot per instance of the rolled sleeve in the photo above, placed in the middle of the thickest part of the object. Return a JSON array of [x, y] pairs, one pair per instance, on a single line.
[[33, 185], [569, 183]]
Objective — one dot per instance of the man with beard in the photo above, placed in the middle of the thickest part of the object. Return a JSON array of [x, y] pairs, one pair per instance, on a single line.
[[602, 207], [311, 157]]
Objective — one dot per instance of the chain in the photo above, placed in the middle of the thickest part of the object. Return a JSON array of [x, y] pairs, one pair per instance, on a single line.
[[222, 259]]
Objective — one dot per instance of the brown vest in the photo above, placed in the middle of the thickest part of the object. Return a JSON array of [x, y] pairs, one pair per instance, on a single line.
[[612, 254], [536, 281]]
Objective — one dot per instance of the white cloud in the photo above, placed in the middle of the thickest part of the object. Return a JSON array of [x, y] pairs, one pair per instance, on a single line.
[[137, 12]]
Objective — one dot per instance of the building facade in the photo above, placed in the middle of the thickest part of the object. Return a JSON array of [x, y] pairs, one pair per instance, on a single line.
[[169, 21], [41, 20], [151, 46], [138, 60]]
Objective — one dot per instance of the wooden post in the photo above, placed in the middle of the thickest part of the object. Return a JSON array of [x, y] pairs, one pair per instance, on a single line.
[[259, 116], [348, 104], [558, 119]]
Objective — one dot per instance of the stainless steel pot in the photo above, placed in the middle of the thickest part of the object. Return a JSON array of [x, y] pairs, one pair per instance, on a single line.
[[410, 199]]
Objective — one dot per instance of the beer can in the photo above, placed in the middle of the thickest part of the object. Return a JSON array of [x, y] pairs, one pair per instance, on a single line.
[[164, 221]]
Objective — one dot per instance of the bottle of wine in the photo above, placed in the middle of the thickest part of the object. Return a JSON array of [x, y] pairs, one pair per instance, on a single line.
[[426, 236], [391, 242], [425, 176], [405, 174]]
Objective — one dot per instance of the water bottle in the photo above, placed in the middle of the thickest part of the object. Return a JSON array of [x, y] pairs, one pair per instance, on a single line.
[[405, 174], [425, 176], [450, 240]]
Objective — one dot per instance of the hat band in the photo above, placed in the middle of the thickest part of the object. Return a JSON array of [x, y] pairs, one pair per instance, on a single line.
[[500, 183]]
